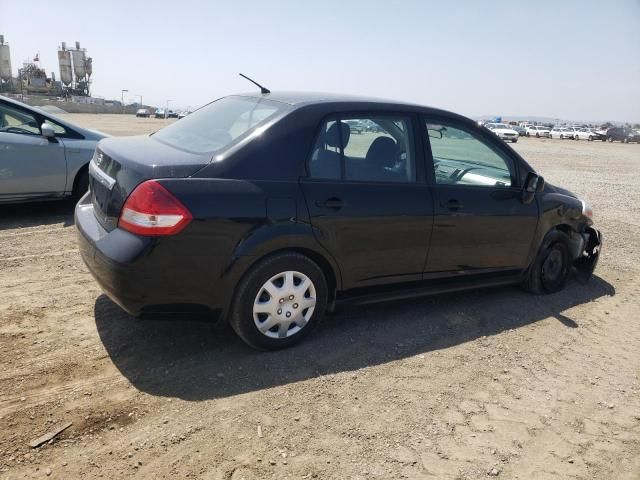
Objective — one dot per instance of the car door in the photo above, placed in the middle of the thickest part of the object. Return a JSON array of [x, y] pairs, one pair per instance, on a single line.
[[30, 165], [367, 199], [481, 224]]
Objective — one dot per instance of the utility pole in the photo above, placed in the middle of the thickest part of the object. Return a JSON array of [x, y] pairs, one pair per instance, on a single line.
[[122, 98], [140, 100], [166, 110]]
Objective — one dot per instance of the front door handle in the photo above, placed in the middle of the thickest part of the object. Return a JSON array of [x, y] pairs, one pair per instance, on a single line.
[[453, 205], [331, 203]]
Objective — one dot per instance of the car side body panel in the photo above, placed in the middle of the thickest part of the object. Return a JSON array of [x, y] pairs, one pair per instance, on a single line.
[[252, 200]]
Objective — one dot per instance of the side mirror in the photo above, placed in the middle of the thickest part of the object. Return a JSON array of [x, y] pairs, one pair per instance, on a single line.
[[47, 131], [533, 185]]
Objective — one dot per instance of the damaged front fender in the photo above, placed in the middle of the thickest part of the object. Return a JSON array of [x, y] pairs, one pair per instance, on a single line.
[[586, 263]]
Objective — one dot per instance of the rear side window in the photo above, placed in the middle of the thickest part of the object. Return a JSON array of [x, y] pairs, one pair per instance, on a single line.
[[461, 158], [365, 149], [219, 124]]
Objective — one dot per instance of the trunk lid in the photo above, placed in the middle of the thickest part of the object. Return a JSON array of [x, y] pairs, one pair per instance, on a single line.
[[119, 165]]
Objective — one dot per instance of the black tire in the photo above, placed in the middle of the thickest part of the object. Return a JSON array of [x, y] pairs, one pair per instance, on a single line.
[[527, 134], [610, 139], [537, 135], [241, 316], [81, 184], [590, 138], [550, 269]]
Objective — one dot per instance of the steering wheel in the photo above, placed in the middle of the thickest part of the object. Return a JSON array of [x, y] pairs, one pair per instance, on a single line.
[[16, 130]]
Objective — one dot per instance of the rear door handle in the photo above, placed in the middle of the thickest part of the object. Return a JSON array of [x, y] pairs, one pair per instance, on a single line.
[[453, 205], [331, 203]]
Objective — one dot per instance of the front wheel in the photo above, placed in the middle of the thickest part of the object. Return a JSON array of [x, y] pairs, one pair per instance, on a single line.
[[279, 302], [550, 269]]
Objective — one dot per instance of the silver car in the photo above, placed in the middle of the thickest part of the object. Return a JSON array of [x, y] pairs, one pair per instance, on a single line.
[[42, 157]]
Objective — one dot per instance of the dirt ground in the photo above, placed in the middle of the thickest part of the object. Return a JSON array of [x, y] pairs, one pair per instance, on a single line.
[[471, 385]]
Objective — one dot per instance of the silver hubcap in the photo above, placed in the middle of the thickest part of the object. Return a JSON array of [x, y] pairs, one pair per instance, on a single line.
[[284, 304]]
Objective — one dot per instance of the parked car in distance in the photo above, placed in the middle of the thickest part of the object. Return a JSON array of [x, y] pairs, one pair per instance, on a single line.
[[538, 131], [587, 134], [561, 133], [622, 134], [503, 131], [172, 114], [183, 114], [355, 126], [42, 157], [160, 113], [521, 130], [265, 211], [143, 112]]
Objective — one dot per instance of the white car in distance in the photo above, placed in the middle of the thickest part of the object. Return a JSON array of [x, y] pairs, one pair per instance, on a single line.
[[587, 134], [561, 133], [503, 131], [538, 131]]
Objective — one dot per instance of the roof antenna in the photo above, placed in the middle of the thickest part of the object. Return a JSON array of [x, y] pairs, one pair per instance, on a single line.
[[262, 89]]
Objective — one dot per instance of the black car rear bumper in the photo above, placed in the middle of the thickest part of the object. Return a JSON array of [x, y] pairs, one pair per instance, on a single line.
[[135, 274]]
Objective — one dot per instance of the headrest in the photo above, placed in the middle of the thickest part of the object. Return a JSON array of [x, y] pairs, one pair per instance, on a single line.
[[383, 151], [332, 139]]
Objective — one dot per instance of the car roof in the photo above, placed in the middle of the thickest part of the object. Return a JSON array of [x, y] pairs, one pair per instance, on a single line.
[[339, 102], [306, 98]]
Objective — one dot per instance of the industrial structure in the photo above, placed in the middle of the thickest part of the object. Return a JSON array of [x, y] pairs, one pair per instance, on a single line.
[[5, 66], [76, 69]]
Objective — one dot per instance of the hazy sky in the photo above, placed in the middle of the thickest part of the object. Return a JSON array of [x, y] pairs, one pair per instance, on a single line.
[[567, 59]]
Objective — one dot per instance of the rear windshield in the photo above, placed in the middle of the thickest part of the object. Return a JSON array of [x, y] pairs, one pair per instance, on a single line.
[[217, 125]]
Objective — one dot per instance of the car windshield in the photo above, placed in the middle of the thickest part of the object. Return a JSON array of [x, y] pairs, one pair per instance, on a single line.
[[500, 125], [218, 124]]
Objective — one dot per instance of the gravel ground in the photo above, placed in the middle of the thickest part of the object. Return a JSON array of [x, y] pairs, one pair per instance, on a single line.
[[493, 382]]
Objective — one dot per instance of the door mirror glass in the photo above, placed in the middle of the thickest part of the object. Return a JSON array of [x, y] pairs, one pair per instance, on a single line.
[[47, 131], [535, 183]]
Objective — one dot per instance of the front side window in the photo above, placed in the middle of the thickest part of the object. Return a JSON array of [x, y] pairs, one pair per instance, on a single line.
[[461, 158], [365, 149], [14, 120], [217, 125]]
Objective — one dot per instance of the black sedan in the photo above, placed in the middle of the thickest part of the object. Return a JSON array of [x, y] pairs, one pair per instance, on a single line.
[[265, 212]]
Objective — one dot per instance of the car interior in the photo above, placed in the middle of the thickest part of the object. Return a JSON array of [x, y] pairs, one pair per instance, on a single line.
[[14, 121], [379, 155], [461, 159]]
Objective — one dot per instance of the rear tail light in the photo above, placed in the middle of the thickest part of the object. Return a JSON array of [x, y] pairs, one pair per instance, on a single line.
[[153, 211]]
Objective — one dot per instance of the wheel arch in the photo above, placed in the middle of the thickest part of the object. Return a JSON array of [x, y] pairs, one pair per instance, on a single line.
[[567, 234], [255, 250], [84, 168]]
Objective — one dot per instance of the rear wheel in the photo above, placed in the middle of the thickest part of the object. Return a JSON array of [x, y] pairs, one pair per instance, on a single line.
[[550, 270], [279, 302]]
